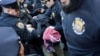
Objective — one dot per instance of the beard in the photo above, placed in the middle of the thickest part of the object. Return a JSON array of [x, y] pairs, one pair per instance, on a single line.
[[72, 6]]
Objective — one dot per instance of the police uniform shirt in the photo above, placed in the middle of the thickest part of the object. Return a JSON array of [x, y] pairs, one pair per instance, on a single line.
[[12, 21], [9, 45], [82, 29]]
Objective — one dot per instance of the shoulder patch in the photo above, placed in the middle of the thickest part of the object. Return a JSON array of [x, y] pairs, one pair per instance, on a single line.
[[78, 26], [20, 25]]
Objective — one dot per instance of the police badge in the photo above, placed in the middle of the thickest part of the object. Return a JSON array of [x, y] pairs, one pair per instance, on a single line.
[[78, 26]]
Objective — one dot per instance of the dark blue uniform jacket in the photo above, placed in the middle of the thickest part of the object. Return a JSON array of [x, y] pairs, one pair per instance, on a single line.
[[11, 21], [82, 29]]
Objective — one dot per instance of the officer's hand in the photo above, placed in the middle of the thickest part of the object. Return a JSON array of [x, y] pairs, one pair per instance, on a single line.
[[49, 3], [42, 10], [30, 28]]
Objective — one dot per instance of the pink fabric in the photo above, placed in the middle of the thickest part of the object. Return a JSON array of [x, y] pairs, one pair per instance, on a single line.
[[50, 34]]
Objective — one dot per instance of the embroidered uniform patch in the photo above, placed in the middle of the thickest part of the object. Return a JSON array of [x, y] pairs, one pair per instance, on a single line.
[[20, 25], [78, 26]]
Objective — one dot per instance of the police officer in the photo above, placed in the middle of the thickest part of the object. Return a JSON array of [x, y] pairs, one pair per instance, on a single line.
[[81, 26], [9, 18], [54, 9], [34, 6]]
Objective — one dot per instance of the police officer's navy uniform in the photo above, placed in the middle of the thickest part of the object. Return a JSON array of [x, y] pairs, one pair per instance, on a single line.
[[13, 21], [7, 20], [82, 29], [9, 45]]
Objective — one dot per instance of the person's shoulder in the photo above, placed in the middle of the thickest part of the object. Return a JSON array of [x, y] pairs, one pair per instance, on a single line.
[[6, 2], [96, 6]]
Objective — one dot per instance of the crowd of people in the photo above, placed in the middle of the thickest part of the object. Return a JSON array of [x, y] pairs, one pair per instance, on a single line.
[[49, 28]]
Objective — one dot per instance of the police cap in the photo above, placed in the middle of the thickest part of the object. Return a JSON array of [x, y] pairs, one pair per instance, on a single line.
[[6, 2]]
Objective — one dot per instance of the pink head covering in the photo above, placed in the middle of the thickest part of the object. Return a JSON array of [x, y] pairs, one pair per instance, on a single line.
[[50, 34]]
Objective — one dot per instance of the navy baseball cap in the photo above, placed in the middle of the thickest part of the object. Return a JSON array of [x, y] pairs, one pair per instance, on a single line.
[[6, 2]]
